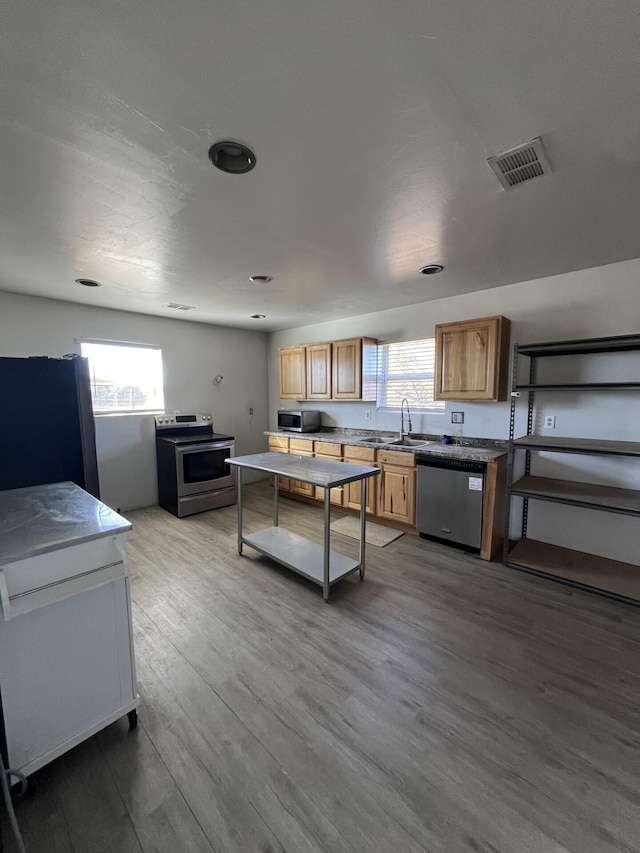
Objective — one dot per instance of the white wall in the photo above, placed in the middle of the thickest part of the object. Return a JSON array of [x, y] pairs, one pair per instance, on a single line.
[[192, 354], [587, 303]]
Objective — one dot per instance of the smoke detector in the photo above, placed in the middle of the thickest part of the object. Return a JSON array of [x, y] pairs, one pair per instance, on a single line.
[[177, 306], [521, 164]]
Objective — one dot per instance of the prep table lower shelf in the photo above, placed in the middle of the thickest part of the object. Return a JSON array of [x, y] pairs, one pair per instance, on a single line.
[[315, 562], [300, 555]]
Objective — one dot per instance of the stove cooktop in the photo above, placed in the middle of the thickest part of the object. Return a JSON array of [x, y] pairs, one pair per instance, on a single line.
[[194, 439]]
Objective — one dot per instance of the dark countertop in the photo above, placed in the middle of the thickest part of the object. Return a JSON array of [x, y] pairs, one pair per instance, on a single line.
[[478, 451], [39, 519]]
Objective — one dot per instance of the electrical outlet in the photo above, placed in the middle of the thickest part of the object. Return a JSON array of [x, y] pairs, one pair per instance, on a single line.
[[367, 414], [457, 417], [549, 421]]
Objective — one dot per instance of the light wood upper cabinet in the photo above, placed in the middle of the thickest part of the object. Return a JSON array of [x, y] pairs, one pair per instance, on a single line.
[[319, 371], [354, 369], [333, 370], [472, 360], [293, 375]]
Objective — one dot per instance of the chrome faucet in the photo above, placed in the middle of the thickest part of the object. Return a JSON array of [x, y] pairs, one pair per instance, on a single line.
[[404, 434]]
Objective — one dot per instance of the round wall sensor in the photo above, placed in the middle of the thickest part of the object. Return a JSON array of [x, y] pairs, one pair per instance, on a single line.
[[260, 279], [88, 282], [431, 269], [258, 316]]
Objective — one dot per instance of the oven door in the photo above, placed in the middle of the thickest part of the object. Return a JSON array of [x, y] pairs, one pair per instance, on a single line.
[[202, 467]]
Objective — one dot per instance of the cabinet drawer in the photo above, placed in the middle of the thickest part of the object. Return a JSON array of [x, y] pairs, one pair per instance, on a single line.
[[43, 579], [397, 457], [360, 455], [325, 448], [279, 443], [301, 445]]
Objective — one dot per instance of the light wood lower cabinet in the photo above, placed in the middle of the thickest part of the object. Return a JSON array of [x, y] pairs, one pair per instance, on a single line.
[[392, 495], [301, 447], [353, 491], [397, 489], [279, 444], [328, 450]]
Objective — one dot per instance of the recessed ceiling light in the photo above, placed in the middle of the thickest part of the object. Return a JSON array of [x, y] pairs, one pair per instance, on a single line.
[[88, 282], [431, 269], [260, 279], [258, 316], [232, 157]]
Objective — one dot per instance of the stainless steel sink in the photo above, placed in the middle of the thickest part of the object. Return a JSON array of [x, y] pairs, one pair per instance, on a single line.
[[375, 440], [410, 442]]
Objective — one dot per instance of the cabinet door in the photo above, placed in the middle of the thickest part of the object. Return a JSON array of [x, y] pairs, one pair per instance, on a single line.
[[293, 378], [319, 371], [397, 493], [347, 369], [301, 447], [353, 493], [279, 444], [472, 360], [329, 450]]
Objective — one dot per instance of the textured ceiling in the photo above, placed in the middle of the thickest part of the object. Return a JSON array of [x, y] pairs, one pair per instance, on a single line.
[[371, 121]]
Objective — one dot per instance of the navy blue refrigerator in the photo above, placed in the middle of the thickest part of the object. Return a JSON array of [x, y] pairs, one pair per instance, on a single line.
[[47, 431]]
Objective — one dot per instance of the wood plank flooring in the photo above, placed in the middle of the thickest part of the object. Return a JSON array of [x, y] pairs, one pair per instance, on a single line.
[[443, 705]]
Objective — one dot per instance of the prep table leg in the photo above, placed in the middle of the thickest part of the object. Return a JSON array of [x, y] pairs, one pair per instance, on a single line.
[[363, 521], [239, 510], [275, 500], [327, 522]]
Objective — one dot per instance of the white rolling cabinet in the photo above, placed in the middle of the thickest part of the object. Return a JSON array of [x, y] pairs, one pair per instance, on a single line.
[[67, 665]]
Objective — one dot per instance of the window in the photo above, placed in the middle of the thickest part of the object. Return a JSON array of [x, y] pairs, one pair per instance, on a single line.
[[124, 377], [406, 369]]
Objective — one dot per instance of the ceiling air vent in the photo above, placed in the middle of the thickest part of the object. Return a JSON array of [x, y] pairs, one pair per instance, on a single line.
[[178, 307], [521, 164]]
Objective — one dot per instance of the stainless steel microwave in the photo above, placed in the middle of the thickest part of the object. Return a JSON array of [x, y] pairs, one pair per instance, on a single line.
[[300, 421]]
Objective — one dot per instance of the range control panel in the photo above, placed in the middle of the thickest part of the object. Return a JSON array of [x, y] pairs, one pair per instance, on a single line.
[[191, 420]]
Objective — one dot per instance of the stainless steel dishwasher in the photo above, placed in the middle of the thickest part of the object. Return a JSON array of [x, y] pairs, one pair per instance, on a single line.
[[450, 500]]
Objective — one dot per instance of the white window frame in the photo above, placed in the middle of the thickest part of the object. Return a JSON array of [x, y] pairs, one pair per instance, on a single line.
[[156, 405], [426, 374]]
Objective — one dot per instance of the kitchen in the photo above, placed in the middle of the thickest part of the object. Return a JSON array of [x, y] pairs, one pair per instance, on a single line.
[[164, 775]]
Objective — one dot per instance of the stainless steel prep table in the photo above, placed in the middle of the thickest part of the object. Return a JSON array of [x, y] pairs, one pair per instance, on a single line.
[[315, 562]]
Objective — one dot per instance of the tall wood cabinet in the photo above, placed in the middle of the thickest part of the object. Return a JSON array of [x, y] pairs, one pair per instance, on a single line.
[[354, 369], [612, 577], [293, 374], [472, 360], [319, 371]]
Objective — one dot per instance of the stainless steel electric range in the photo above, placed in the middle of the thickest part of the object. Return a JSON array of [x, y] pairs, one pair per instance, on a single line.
[[193, 475]]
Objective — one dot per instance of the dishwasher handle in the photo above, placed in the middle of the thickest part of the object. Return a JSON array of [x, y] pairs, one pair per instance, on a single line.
[[470, 466]]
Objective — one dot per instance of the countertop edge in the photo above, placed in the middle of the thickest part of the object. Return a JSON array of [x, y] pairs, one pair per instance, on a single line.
[[471, 452], [68, 543]]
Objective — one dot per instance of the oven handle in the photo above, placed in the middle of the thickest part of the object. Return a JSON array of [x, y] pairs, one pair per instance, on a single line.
[[198, 448]]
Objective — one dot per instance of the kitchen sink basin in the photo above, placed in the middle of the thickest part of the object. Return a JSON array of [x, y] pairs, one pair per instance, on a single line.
[[375, 440], [410, 442]]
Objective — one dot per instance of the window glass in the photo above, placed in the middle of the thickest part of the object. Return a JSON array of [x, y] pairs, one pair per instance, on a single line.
[[124, 377], [406, 370]]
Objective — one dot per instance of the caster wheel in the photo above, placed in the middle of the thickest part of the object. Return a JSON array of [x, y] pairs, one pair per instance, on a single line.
[[132, 716]]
